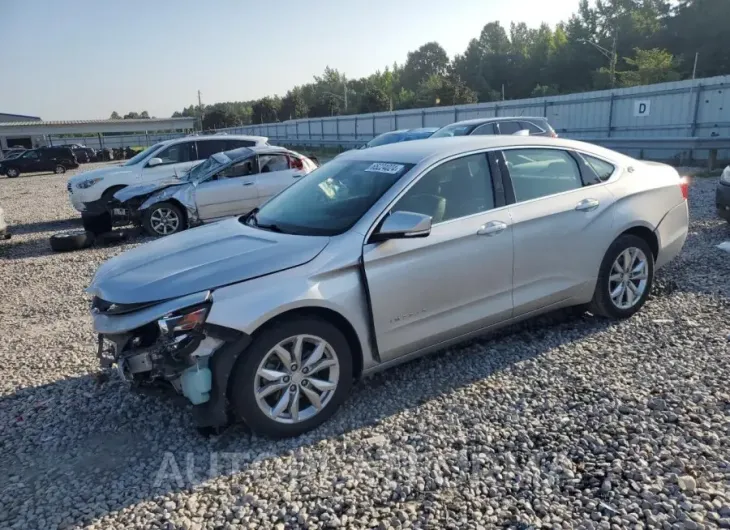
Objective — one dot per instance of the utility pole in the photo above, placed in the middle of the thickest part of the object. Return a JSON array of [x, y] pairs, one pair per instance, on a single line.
[[344, 79], [612, 56], [200, 109], [694, 68]]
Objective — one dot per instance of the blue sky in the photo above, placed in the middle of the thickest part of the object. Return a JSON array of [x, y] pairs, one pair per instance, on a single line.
[[82, 59]]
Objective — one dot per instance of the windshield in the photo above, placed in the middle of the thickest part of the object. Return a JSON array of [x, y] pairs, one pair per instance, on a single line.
[[454, 130], [329, 200], [383, 139], [198, 172], [136, 159]]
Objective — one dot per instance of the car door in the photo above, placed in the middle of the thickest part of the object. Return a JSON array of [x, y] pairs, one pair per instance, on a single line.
[[177, 159], [561, 223], [275, 174], [30, 162], [231, 191], [456, 280]]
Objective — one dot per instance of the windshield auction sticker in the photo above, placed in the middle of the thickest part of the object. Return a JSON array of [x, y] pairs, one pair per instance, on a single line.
[[391, 169]]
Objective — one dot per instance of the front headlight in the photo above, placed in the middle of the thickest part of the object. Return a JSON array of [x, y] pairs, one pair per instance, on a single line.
[[88, 183], [725, 177], [183, 320]]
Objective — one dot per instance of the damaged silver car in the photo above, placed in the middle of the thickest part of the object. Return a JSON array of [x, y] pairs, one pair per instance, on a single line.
[[226, 184], [380, 256]]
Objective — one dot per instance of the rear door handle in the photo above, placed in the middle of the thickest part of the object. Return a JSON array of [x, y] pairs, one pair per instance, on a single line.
[[248, 183], [586, 205], [492, 228]]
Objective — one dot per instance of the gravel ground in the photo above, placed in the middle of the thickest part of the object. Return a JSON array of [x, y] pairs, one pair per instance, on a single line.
[[564, 422]]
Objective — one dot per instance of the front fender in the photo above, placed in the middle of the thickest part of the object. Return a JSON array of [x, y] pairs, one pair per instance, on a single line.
[[184, 195], [247, 306]]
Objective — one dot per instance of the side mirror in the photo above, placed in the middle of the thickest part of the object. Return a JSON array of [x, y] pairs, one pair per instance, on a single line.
[[403, 225], [523, 132], [154, 162]]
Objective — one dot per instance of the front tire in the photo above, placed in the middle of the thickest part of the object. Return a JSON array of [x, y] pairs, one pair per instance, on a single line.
[[292, 378], [624, 279], [163, 219], [60, 169], [12, 173]]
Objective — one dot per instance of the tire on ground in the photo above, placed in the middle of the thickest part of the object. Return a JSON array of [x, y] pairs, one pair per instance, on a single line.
[[12, 173], [97, 224], [74, 240], [147, 218], [602, 304], [242, 380]]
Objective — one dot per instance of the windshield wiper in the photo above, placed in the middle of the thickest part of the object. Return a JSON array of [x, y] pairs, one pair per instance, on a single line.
[[271, 227]]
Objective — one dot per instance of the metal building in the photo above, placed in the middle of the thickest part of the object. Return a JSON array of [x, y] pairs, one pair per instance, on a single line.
[[31, 133]]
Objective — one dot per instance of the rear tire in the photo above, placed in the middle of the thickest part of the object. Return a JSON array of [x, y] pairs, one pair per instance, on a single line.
[[60, 169], [163, 219], [297, 382], [624, 279], [97, 224], [74, 240]]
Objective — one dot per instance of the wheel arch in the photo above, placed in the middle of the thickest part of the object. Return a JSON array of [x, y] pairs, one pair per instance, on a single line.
[[328, 315], [645, 233]]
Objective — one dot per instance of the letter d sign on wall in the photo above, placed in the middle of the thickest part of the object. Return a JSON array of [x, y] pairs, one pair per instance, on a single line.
[[642, 108]]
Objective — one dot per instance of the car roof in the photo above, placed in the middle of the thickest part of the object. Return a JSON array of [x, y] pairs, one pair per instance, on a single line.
[[435, 149], [497, 118], [242, 152], [259, 139]]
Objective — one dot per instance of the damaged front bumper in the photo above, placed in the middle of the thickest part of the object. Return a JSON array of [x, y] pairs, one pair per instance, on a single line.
[[170, 343]]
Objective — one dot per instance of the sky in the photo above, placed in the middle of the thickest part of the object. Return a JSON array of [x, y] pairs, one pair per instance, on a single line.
[[83, 59]]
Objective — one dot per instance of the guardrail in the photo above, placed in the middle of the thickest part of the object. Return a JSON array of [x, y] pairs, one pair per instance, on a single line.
[[687, 146]]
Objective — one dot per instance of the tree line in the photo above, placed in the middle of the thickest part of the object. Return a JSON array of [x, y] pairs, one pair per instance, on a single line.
[[613, 43]]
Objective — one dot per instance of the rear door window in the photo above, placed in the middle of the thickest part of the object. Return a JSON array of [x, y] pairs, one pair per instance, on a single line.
[[509, 127], [487, 128], [271, 163], [534, 129], [539, 173], [207, 148], [236, 144]]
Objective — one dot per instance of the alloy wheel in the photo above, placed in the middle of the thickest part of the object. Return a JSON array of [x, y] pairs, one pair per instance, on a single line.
[[60, 170], [628, 278], [296, 379], [164, 221]]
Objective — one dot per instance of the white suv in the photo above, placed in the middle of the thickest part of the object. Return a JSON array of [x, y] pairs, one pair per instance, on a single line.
[[91, 191]]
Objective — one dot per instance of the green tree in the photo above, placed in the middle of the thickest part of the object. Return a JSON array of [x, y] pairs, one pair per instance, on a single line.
[[293, 105], [219, 117], [374, 100], [266, 110], [650, 66], [115, 116], [427, 61]]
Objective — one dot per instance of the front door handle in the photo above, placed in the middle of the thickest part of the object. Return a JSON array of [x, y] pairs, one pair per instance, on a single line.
[[492, 228], [586, 205], [248, 183], [296, 176]]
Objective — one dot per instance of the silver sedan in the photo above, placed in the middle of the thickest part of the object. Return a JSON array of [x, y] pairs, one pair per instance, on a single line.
[[381, 256]]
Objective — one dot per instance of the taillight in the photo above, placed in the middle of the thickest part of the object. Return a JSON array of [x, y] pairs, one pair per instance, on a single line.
[[684, 186]]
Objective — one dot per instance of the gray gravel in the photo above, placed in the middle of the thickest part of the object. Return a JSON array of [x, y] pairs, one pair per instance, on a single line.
[[564, 422]]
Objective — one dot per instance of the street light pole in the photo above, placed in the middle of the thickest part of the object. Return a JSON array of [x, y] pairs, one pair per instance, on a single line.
[[610, 55]]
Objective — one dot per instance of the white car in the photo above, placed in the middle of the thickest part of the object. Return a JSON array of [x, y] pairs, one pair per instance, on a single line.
[[91, 191], [227, 184]]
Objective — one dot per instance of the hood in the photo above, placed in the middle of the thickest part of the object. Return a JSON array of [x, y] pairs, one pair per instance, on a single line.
[[103, 172], [199, 259], [145, 189]]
